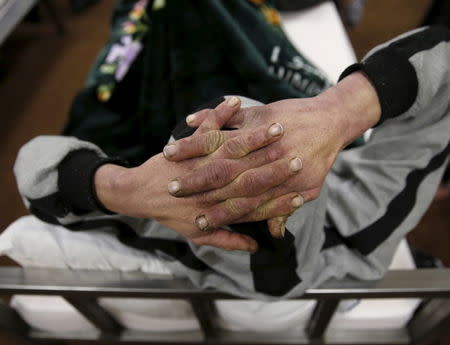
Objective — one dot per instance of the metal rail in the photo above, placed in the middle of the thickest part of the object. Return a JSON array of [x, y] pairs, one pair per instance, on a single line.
[[421, 283], [81, 288]]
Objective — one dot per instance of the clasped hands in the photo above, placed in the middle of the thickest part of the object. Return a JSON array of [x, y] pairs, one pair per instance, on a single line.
[[275, 159]]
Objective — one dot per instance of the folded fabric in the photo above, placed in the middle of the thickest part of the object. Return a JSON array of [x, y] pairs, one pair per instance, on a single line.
[[33, 243]]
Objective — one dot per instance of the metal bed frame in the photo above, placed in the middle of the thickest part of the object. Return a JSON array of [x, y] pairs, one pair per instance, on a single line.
[[15, 10], [82, 288]]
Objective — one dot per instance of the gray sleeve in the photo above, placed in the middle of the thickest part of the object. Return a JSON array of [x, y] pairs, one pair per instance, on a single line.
[[380, 191], [395, 76], [55, 177]]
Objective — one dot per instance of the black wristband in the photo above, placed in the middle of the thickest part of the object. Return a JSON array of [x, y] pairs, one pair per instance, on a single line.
[[76, 179], [394, 80], [391, 72]]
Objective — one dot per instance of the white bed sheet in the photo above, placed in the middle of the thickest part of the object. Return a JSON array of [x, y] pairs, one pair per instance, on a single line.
[[319, 34]]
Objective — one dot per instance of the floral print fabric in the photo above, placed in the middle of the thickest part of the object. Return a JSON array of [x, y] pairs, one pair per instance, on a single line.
[[123, 53]]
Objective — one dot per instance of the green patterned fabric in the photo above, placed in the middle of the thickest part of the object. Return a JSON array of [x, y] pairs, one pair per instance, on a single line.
[[166, 58]]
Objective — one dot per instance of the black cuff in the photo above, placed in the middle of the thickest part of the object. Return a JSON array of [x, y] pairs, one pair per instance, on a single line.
[[391, 72], [76, 179], [394, 80]]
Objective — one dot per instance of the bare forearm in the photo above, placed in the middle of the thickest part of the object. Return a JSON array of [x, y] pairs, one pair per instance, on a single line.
[[356, 104]]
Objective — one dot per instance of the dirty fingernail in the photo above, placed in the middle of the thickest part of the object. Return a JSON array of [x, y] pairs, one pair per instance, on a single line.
[[191, 118], [297, 201], [282, 229], [275, 130], [295, 165], [174, 187], [233, 101], [202, 223], [170, 150]]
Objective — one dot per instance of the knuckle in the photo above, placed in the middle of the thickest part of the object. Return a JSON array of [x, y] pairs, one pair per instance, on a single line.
[[233, 207], [255, 139], [201, 199], [262, 212], [256, 112], [255, 182], [218, 173], [274, 152], [235, 147], [213, 140], [249, 183]]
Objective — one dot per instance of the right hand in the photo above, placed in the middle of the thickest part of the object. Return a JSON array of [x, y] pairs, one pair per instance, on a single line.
[[316, 130]]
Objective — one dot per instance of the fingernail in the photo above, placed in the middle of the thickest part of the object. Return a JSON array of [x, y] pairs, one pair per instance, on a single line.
[[282, 229], [297, 201], [276, 130], [191, 118], [233, 101], [170, 150], [202, 223], [295, 165], [174, 187]]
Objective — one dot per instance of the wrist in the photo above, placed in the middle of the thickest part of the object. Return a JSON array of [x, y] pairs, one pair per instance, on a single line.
[[356, 105], [134, 192], [110, 185]]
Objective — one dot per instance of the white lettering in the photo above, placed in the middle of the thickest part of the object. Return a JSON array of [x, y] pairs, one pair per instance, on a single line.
[[275, 54]]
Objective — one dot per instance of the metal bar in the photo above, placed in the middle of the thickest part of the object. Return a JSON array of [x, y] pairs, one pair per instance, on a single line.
[[289, 337], [11, 14], [321, 318], [427, 283], [430, 323], [205, 312], [13, 326], [53, 13], [95, 314]]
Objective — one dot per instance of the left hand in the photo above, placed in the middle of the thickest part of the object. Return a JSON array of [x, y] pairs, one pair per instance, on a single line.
[[315, 131]]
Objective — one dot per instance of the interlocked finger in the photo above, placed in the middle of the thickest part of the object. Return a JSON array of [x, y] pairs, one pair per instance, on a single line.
[[228, 144], [227, 240], [249, 140], [277, 226], [196, 145], [275, 208], [220, 172], [259, 180], [236, 121], [239, 210], [217, 118]]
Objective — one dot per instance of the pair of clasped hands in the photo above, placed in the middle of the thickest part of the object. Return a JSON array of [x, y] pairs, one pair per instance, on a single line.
[[275, 160]]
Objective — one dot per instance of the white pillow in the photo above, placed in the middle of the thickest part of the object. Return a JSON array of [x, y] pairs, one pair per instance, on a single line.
[[33, 243]]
